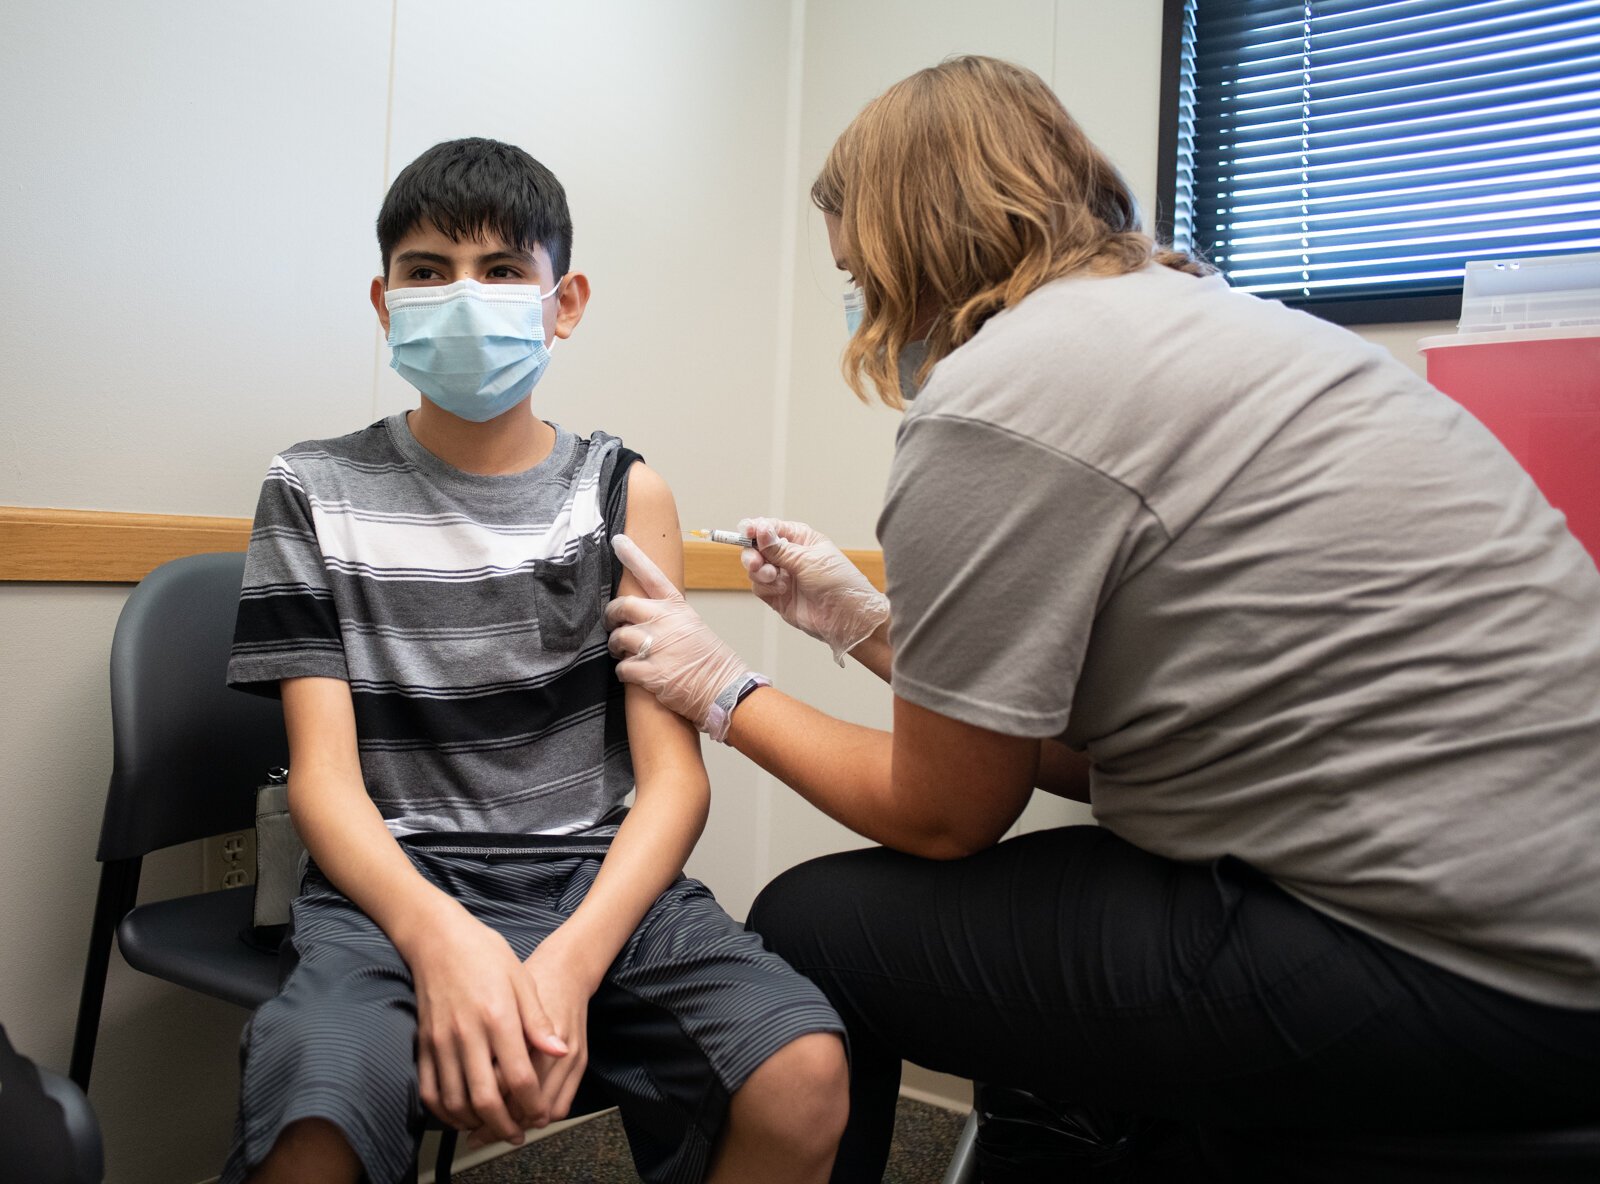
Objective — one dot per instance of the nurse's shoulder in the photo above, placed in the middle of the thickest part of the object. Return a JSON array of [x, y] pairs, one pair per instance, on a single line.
[[1088, 365]]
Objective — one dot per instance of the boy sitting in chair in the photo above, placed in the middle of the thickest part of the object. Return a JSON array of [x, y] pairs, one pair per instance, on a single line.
[[484, 922]]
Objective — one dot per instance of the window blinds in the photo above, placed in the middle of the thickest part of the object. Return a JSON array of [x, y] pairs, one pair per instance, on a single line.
[[1338, 150]]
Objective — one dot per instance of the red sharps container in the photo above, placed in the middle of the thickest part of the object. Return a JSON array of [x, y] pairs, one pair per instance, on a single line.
[[1527, 364]]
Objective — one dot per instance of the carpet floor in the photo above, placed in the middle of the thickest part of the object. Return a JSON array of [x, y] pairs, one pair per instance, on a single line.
[[596, 1152]]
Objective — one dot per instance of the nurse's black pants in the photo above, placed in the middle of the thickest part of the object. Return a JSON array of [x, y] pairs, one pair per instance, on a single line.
[[1071, 964]]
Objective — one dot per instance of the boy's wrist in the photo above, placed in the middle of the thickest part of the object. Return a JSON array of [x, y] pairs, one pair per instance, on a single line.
[[418, 922], [575, 953]]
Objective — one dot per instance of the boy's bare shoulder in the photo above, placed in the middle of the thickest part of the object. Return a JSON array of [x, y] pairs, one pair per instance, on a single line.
[[648, 487]]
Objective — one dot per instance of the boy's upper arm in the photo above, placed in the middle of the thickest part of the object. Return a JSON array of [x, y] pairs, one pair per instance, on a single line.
[[325, 777], [662, 741], [319, 716]]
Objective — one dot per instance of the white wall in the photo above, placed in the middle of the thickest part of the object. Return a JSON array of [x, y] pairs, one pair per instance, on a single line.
[[188, 208]]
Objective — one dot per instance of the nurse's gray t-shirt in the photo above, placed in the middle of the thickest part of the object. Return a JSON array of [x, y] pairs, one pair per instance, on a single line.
[[1297, 607]]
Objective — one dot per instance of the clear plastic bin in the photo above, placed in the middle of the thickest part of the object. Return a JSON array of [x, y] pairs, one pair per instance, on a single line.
[[1546, 292]]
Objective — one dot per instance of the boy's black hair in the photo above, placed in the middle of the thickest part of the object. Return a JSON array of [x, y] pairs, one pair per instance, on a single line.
[[471, 187]]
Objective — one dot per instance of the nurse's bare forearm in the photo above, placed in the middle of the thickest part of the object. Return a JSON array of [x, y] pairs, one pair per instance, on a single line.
[[842, 769], [935, 788], [875, 653]]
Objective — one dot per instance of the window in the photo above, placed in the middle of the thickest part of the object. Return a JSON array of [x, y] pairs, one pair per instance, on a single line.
[[1349, 156]]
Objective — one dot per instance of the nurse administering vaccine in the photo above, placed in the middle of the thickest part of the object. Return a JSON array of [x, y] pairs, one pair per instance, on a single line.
[[1319, 654]]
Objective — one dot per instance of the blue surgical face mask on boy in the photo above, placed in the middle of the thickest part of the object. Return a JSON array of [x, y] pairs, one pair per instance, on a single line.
[[474, 349]]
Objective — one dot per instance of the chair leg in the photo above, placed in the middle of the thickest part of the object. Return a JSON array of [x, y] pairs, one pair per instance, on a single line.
[[447, 1156], [963, 1167], [119, 885], [447, 1153]]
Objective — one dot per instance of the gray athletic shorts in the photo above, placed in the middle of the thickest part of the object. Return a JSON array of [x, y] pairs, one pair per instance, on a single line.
[[689, 1009]]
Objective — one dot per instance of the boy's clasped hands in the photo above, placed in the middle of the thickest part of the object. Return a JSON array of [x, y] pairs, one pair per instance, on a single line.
[[500, 1041]]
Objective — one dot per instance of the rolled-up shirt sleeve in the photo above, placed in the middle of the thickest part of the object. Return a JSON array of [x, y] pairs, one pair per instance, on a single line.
[[998, 552]]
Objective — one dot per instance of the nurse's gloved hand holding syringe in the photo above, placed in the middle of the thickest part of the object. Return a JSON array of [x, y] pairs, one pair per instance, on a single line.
[[810, 584]]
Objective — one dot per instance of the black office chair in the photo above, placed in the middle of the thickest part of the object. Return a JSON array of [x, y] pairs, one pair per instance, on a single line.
[[188, 753], [48, 1132]]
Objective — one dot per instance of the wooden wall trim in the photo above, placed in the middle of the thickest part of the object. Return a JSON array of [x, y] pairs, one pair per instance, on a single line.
[[101, 547], [93, 546]]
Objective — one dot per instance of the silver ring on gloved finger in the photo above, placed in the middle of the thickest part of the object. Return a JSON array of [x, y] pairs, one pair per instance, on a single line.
[[644, 647]]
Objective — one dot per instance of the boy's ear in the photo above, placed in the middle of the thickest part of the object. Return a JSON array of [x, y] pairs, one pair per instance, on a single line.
[[573, 300], [378, 289]]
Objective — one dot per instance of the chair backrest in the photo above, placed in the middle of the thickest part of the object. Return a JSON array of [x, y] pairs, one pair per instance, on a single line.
[[188, 752]]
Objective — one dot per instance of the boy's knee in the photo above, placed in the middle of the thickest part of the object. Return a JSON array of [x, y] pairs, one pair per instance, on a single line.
[[801, 1094], [311, 1149]]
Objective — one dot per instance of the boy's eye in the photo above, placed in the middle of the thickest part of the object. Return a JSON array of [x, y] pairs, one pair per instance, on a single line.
[[423, 274], [504, 271]]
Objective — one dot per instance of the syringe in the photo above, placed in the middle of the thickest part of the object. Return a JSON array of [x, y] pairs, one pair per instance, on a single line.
[[732, 537]]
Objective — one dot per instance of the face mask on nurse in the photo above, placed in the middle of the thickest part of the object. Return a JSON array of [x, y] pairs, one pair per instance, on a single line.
[[855, 307], [911, 358], [474, 349]]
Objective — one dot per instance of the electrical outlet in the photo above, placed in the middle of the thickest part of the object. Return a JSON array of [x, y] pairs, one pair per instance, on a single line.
[[230, 860]]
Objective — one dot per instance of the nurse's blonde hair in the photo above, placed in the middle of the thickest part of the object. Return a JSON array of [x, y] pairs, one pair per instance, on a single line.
[[959, 191]]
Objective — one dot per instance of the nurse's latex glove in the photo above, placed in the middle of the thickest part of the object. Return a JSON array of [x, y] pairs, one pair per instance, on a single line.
[[667, 649], [810, 584]]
